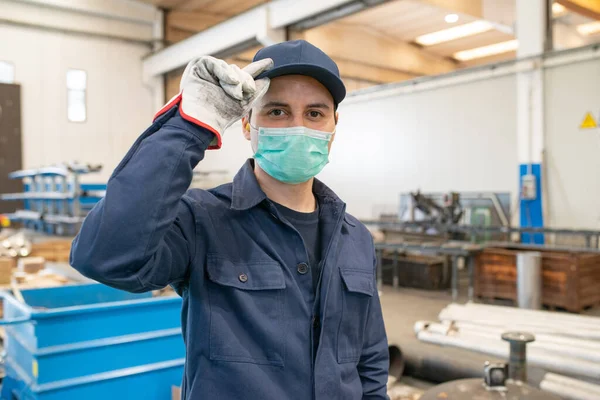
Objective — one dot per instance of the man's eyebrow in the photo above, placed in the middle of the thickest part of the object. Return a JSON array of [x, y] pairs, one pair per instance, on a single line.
[[318, 105], [275, 104]]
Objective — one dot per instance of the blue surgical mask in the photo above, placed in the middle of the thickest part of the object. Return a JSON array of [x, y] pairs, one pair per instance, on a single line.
[[291, 155]]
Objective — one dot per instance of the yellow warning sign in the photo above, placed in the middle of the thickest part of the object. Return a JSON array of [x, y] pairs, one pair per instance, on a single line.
[[588, 122]]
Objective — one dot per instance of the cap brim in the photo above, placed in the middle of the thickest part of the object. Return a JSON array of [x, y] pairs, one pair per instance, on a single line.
[[325, 77]]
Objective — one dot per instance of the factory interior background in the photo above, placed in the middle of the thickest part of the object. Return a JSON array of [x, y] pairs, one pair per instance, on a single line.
[[468, 144]]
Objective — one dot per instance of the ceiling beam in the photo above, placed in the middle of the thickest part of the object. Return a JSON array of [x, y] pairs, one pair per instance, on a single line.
[[349, 42], [174, 35], [192, 21], [262, 24], [73, 18], [349, 69], [131, 11], [587, 8], [190, 5]]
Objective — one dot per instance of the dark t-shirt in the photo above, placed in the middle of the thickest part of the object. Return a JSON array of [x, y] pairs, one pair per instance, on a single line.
[[308, 226]]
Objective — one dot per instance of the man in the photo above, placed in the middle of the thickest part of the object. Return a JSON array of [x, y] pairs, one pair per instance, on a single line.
[[278, 282]]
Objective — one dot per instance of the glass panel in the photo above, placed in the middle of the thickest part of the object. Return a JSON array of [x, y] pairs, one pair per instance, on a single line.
[[76, 109], [76, 79], [7, 72]]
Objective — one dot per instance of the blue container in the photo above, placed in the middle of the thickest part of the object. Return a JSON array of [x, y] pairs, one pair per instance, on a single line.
[[91, 342]]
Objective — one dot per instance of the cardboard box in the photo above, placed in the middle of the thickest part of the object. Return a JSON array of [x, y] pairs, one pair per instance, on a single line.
[[7, 265], [175, 393], [32, 265]]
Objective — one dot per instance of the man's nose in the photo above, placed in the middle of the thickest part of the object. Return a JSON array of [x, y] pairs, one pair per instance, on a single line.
[[297, 119]]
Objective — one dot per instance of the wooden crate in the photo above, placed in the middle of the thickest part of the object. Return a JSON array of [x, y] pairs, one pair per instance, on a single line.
[[416, 271], [569, 280], [55, 250]]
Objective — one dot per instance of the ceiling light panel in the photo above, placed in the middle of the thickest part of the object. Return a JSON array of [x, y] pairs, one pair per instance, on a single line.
[[451, 18], [558, 9], [456, 32], [589, 29], [486, 51]]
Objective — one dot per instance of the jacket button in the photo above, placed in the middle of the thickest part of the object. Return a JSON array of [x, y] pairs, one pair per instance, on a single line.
[[315, 322], [243, 277], [302, 268]]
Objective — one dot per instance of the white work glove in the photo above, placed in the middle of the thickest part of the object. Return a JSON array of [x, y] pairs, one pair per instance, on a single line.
[[214, 94]]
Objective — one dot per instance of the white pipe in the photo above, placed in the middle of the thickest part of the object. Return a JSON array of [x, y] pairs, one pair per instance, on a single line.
[[567, 392], [538, 317], [575, 328], [567, 381], [567, 348], [558, 349], [550, 362], [581, 333], [539, 337], [578, 319]]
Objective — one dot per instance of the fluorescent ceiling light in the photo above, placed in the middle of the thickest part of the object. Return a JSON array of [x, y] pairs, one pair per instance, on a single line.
[[454, 33], [589, 29], [558, 9], [451, 18], [487, 51]]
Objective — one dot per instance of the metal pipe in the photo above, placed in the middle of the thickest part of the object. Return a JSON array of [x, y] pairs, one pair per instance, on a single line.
[[529, 280], [541, 339], [396, 368], [571, 382], [471, 270], [544, 359], [395, 270], [379, 270], [517, 359], [568, 392], [454, 278], [584, 353], [508, 316], [491, 318]]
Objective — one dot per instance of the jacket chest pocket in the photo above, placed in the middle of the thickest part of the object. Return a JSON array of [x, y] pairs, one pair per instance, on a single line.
[[357, 292], [246, 311]]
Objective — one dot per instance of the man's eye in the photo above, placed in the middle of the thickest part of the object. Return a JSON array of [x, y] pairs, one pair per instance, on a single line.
[[315, 114], [276, 112]]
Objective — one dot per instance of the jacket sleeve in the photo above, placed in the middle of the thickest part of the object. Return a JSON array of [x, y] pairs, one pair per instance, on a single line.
[[140, 236], [374, 361]]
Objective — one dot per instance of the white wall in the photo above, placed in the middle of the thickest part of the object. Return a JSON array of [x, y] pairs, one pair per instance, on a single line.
[[572, 154], [454, 138], [119, 105]]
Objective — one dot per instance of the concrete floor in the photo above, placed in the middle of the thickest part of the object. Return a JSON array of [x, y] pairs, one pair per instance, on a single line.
[[404, 306]]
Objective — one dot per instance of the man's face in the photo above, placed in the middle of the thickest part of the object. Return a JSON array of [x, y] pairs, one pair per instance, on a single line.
[[293, 100]]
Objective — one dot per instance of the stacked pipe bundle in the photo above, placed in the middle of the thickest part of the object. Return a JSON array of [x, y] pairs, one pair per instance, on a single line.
[[16, 245], [564, 344]]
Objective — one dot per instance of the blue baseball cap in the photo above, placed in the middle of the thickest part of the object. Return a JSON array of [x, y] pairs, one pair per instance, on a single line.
[[299, 57]]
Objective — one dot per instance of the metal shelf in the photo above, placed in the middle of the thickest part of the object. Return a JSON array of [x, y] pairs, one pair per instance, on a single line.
[[27, 215], [55, 199], [38, 196]]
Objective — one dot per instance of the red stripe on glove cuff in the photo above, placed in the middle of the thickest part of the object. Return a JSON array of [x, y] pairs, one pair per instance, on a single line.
[[177, 100]]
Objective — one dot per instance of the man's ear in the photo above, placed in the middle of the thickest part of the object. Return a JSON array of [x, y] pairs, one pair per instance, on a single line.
[[246, 127], [336, 117]]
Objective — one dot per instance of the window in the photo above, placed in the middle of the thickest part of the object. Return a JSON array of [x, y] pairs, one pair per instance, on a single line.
[[7, 72], [76, 87]]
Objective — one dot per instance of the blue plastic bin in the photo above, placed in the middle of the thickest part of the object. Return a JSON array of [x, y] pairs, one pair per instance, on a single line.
[[91, 342]]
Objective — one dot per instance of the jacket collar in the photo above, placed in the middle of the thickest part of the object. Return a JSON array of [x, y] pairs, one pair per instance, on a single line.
[[246, 192]]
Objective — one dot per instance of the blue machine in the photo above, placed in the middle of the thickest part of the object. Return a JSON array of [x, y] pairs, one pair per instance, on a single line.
[[92, 342]]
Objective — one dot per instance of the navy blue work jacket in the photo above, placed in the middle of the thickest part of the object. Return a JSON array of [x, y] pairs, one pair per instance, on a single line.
[[248, 319]]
